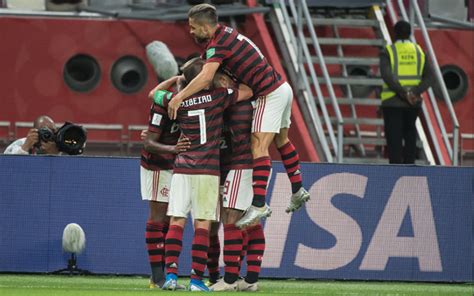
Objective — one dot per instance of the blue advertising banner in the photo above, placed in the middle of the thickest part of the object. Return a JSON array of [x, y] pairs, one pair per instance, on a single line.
[[407, 223]]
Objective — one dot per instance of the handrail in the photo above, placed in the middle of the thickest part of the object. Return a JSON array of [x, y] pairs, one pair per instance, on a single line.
[[452, 150], [301, 49], [340, 121]]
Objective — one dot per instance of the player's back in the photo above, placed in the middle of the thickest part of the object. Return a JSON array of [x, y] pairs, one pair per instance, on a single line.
[[236, 148], [242, 59], [158, 121], [201, 119]]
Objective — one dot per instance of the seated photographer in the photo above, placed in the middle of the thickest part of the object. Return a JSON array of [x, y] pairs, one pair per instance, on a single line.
[[31, 144]]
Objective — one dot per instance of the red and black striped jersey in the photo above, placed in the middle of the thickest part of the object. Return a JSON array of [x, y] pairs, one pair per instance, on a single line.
[[236, 152], [159, 122], [200, 118], [241, 59]]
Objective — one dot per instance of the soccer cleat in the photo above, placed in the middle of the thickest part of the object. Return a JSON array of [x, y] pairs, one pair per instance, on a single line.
[[297, 200], [197, 285], [171, 282], [253, 214], [221, 285], [242, 285]]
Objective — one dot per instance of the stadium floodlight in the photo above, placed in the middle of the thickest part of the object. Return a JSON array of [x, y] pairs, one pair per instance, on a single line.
[[74, 242]]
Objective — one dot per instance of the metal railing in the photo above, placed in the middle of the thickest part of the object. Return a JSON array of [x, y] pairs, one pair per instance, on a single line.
[[452, 150], [301, 17]]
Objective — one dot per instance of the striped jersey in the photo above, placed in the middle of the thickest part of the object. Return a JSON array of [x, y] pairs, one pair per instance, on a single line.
[[241, 59], [159, 122], [200, 118], [236, 150]]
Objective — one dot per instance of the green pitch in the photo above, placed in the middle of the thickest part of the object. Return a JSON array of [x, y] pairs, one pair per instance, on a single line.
[[48, 285]]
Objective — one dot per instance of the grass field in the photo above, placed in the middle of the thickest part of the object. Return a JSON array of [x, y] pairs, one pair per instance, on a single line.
[[49, 285]]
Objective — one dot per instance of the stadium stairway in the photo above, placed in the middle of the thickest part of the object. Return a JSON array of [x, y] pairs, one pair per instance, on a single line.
[[345, 43]]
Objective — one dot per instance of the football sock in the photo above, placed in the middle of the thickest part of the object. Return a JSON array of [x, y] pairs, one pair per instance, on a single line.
[[261, 172], [291, 161], [173, 246], [232, 252], [199, 253], [245, 240], [255, 250], [156, 249], [213, 258]]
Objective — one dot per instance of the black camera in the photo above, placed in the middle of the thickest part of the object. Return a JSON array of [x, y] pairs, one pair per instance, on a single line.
[[70, 138]]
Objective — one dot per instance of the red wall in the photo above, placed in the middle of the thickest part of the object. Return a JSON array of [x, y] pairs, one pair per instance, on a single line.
[[456, 47]]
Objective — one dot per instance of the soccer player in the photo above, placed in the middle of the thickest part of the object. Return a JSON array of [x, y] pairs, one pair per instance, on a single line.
[[238, 56], [195, 182], [161, 145], [236, 168]]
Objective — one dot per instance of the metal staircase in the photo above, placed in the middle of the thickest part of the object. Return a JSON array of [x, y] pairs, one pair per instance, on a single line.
[[346, 69]]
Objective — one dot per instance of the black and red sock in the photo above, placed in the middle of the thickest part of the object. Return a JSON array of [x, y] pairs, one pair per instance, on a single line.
[[245, 240], [255, 250], [261, 171], [232, 252], [155, 243], [213, 258], [291, 161], [199, 253], [173, 246]]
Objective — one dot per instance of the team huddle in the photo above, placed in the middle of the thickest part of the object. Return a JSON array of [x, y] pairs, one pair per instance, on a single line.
[[206, 152]]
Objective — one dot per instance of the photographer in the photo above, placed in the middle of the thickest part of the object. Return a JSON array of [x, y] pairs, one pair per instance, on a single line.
[[32, 144], [45, 138]]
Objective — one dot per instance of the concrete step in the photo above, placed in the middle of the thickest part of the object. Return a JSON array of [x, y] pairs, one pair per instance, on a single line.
[[348, 41], [364, 140], [357, 61], [374, 160], [345, 22], [356, 101], [342, 22], [362, 121], [353, 80]]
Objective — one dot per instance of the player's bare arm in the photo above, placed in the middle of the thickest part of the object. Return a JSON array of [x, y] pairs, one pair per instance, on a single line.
[[201, 81], [152, 144], [164, 85]]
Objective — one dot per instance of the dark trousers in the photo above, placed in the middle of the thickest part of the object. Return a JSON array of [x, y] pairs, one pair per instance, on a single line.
[[400, 132]]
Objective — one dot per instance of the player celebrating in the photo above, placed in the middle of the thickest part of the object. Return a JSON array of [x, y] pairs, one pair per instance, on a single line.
[[161, 144], [241, 58], [195, 183], [236, 168]]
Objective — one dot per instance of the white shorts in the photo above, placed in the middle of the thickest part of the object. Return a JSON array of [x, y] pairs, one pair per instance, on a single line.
[[238, 191], [196, 193], [155, 185], [273, 112]]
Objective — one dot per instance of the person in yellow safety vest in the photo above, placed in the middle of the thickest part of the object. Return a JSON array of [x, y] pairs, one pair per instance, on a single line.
[[407, 73]]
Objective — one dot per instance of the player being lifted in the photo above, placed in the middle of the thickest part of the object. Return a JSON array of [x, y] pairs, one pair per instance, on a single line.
[[195, 182], [161, 144], [239, 57]]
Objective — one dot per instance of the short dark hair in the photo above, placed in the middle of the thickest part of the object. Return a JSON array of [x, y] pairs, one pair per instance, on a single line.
[[204, 12], [192, 68], [402, 30]]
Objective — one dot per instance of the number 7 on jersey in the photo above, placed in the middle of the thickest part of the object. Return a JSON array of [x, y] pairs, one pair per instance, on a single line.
[[202, 123]]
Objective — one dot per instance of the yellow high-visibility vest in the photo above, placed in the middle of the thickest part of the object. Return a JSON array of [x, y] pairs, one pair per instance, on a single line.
[[407, 61]]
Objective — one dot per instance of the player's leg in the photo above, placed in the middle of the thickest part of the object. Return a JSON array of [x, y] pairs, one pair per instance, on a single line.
[[266, 122], [213, 253], [237, 197], [255, 250], [204, 208], [289, 155], [178, 208], [152, 184]]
